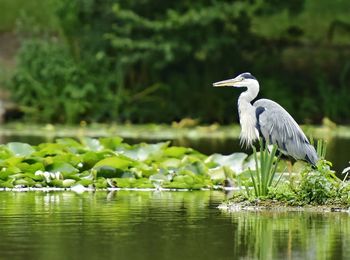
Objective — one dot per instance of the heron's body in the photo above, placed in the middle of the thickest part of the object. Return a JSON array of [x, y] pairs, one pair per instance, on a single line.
[[269, 120]]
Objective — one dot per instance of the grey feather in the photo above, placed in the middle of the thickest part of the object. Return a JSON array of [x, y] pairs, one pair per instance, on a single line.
[[277, 126]]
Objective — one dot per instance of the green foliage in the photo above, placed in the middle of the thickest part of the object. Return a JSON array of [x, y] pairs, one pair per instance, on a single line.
[[315, 186], [318, 186], [49, 84], [149, 61], [265, 170]]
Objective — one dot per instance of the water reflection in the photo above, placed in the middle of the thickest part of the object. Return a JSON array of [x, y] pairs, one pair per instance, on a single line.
[[295, 235], [160, 225]]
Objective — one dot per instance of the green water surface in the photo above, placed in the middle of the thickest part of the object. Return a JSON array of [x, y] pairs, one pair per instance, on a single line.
[[160, 225]]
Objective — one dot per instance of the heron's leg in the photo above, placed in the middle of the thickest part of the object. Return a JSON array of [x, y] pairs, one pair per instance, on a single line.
[[290, 167]]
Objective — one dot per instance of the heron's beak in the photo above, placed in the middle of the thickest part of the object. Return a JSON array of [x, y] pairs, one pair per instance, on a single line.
[[226, 83]]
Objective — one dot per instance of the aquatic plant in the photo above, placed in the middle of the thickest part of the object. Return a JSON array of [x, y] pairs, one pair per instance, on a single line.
[[109, 162], [321, 148], [265, 169], [318, 185]]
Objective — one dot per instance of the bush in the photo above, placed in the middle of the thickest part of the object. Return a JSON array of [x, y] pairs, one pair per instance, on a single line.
[[48, 84]]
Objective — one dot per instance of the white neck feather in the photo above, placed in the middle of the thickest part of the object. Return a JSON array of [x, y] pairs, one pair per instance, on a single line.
[[247, 117]]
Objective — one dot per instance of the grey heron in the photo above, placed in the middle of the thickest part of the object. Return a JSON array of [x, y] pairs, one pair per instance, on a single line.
[[269, 120]]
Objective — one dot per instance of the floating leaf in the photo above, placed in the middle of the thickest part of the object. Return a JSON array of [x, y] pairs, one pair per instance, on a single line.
[[145, 152], [101, 183], [4, 174], [119, 162], [108, 172], [217, 173], [124, 183], [12, 169], [170, 163], [92, 143], [176, 151], [12, 161], [158, 178], [184, 179], [177, 185], [7, 184], [235, 161], [61, 167], [31, 168], [69, 142], [46, 149], [250, 163], [91, 158], [20, 149], [71, 145], [197, 167], [4, 152], [127, 175], [85, 182], [56, 183], [111, 142], [27, 182], [68, 183]]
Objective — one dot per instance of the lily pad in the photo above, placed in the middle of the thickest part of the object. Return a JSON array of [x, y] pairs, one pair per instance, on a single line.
[[170, 163], [46, 149], [92, 143], [85, 182], [20, 149], [68, 183], [111, 142], [143, 152], [235, 161], [61, 167], [108, 172], [159, 178], [90, 158], [31, 168], [119, 162], [176, 151]]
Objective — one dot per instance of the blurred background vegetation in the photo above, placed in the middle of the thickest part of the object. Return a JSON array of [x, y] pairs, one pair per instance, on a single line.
[[139, 61]]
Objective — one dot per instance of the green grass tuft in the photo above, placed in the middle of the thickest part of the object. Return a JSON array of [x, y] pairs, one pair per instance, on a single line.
[[265, 170]]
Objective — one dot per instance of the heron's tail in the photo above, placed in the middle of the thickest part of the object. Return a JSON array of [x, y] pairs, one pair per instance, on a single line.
[[311, 155]]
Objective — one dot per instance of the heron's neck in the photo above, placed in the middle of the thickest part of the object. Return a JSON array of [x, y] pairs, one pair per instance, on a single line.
[[247, 96], [247, 116]]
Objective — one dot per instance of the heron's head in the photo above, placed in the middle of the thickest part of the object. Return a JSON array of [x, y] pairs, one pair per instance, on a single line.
[[242, 80]]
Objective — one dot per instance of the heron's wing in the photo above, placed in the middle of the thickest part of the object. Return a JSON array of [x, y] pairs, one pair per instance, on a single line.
[[277, 126]]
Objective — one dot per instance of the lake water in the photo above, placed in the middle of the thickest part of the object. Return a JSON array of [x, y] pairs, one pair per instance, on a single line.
[[160, 225]]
